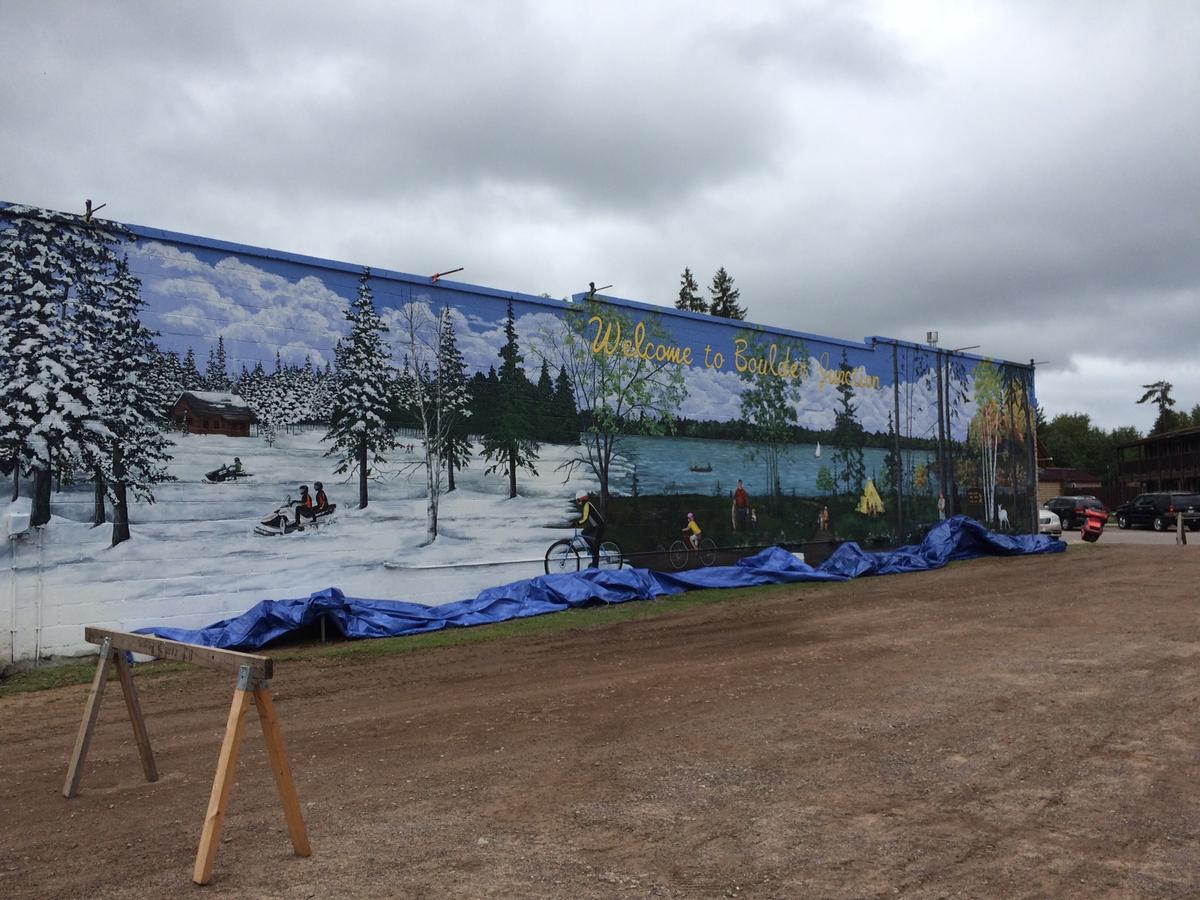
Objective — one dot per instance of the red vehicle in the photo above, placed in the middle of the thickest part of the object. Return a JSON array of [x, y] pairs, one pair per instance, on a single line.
[[1072, 509], [1093, 524]]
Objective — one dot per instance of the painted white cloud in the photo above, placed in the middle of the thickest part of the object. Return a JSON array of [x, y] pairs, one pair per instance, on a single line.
[[255, 311]]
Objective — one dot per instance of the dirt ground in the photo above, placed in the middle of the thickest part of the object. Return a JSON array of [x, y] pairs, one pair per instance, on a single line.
[[1000, 728]]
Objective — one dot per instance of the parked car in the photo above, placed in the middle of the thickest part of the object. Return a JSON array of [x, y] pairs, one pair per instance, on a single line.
[[1049, 523], [1070, 510], [1159, 510]]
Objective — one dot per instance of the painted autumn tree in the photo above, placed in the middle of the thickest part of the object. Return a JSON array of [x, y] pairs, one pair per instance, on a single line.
[[768, 407], [616, 392], [358, 419], [510, 446]]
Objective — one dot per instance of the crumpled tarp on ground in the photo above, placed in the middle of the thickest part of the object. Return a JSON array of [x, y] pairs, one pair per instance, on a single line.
[[957, 538]]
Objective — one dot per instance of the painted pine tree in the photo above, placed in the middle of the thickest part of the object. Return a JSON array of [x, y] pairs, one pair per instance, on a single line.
[[454, 397], [485, 397], [566, 414], [49, 398], [138, 455], [510, 445], [848, 435], [192, 379], [689, 298], [166, 380], [543, 400], [358, 422], [725, 297], [216, 373]]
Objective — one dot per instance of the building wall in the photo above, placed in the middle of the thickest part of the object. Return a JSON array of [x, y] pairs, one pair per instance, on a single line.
[[787, 412]]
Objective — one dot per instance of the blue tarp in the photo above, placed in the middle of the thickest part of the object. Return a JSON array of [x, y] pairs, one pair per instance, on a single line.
[[955, 539]]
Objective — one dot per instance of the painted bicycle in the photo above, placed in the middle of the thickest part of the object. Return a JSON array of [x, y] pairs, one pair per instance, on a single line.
[[573, 555], [681, 551]]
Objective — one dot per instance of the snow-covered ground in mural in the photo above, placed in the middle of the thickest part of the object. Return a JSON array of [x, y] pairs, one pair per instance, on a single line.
[[194, 556]]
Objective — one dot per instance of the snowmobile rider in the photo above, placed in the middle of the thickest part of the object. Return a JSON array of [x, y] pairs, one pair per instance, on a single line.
[[591, 525], [304, 506], [237, 464], [692, 530], [322, 499]]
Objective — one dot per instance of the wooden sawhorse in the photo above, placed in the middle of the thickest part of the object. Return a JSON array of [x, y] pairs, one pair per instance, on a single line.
[[253, 684]]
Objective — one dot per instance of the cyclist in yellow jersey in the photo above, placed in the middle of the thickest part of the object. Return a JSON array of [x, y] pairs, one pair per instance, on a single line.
[[692, 530], [591, 525]]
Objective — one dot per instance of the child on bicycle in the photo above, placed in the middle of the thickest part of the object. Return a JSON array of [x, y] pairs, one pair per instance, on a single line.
[[692, 531]]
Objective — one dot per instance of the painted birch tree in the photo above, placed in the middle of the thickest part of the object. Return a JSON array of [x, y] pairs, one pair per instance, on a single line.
[[768, 407], [618, 393], [986, 429], [433, 387]]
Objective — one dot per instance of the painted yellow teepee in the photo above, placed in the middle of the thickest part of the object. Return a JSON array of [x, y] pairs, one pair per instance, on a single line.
[[870, 503]]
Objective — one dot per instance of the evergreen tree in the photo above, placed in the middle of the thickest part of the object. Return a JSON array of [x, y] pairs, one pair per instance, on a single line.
[[216, 374], [454, 400], [689, 294], [892, 478], [192, 379], [543, 405], [1159, 393], [566, 415], [510, 445], [848, 436], [132, 413], [485, 395], [166, 380], [49, 398], [725, 297], [358, 426]]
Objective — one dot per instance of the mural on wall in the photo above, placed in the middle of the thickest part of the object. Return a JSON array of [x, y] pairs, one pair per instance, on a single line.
[[184, 390]]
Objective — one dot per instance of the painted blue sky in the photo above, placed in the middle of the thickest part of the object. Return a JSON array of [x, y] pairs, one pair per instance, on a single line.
[[261, 305]]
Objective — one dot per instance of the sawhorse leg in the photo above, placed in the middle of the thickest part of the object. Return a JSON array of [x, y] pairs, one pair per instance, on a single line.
[[91, 712], [210, 838]]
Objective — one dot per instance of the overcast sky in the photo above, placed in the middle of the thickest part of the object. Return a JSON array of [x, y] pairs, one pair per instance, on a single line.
[[1023, 176]]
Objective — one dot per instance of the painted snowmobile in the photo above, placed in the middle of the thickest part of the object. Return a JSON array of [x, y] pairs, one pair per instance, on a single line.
[[283, 520], [225, 473]]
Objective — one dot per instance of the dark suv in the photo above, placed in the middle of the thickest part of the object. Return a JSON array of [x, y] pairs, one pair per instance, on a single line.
[[1159, 509], [1070, 509]]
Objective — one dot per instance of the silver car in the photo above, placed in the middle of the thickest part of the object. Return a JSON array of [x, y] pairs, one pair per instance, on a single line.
[[1049, 523]]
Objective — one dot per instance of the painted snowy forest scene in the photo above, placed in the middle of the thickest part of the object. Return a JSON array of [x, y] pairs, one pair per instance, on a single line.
[[165, 397]]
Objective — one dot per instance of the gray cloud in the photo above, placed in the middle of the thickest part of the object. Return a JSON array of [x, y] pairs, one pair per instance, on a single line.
[[1015, 175]]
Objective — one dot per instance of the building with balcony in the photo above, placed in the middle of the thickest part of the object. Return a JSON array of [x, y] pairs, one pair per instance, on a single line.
[[1162, 462]]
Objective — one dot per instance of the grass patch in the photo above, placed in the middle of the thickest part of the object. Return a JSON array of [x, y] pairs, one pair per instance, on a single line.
[[45, 678], [599, 616]]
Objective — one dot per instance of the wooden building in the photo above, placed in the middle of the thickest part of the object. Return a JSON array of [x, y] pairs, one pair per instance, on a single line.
[[1162, 462], [212, 412], [1058, 481]]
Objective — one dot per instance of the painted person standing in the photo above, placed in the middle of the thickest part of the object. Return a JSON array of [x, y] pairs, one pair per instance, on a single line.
[[741, 508]]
